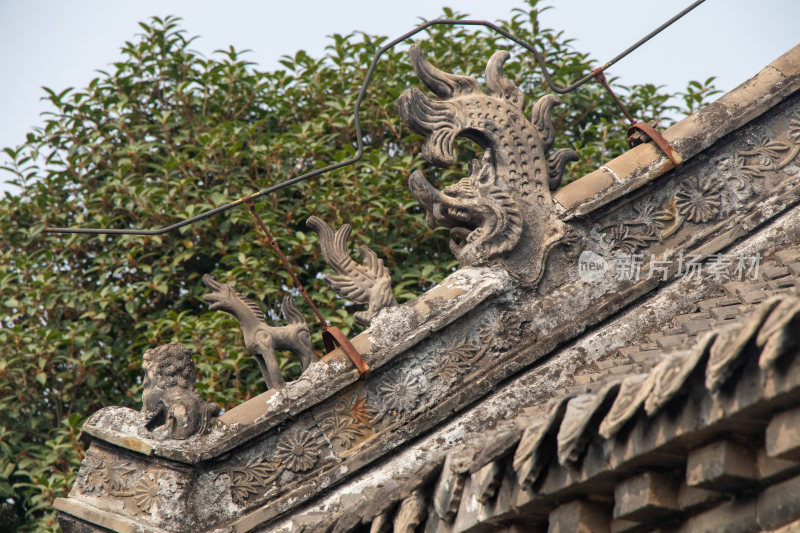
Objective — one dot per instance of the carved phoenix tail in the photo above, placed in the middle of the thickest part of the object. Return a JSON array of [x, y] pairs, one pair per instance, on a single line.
[[369, 283]]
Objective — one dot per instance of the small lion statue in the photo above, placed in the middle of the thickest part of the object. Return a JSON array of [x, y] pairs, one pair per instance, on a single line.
[[171, 407]]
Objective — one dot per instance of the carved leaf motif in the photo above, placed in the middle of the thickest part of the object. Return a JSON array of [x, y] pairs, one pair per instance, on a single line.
[[350, 420], [462, 357], [361, 412], [623, 240], [89, 470], [768, 152], [112, 474], [252, 479], [652, 218]]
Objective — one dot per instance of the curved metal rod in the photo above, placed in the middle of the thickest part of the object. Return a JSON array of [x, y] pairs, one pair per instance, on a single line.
[[362, 93]]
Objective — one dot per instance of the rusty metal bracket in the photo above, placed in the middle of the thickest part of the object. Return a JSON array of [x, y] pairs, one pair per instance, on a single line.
[[643, 127], [331, 335], [657, 138]]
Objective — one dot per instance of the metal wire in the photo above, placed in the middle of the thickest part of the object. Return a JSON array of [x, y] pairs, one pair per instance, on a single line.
[[362, 93]]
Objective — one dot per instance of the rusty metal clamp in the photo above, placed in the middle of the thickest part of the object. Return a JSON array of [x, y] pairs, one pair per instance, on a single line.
[[643, 127], [656, 137]]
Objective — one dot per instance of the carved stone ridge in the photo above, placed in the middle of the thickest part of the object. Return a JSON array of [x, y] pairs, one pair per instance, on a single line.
[[502, 212]]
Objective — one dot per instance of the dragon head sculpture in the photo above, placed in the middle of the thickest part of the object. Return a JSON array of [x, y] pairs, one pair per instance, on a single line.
[[502, 212]]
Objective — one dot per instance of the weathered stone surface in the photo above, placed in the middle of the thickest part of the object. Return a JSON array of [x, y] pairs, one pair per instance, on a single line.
[[530, 456], [585, 188], [447, 494], [736, 516], [632, 393], [579, 517], [523, 387], [782, 438], [670, 375], [722, 465], [726, 351], [694, 500], [583, 415], [773, 469], [411, 514], [486, 480], [646, 496], [779, 504]]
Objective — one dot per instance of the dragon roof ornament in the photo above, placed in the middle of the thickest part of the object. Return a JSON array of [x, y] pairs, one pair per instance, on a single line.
[[502, 212]]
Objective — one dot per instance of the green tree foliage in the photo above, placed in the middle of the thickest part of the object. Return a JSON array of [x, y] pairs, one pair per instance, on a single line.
[[166, 133]]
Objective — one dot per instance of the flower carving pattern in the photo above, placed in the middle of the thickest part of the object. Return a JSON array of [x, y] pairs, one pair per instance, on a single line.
[[768, 152], [698, 200], [638, 232], [401, 390], [146, 491], [298, 452]]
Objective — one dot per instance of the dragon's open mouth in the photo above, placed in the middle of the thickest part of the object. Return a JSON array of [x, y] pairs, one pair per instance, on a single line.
[[464, 219], [465, 225]]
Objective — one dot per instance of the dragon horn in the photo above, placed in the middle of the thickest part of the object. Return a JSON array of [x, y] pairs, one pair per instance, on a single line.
[[499, 84], [442, 84], [540, 116]]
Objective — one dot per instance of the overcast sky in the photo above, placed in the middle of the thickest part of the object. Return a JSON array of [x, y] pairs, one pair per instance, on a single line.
[[60, 44]]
